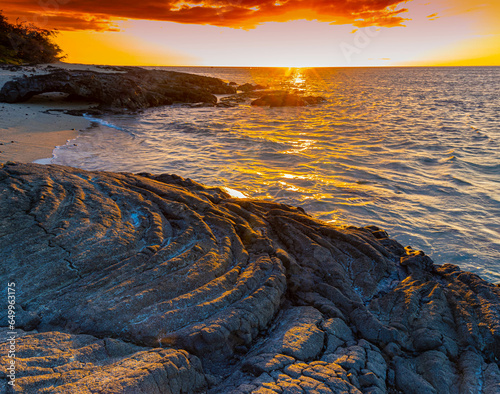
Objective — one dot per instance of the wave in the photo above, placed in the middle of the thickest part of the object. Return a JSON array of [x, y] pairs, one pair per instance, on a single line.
[[102, 122]]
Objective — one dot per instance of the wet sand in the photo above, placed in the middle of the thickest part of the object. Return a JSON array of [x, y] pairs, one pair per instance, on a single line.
[[30, 131]]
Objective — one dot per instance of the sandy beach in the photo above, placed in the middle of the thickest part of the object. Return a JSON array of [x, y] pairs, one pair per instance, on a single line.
[[30, 131]]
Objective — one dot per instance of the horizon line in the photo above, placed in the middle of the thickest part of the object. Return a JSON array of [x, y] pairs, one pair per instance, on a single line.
[[260, 66]]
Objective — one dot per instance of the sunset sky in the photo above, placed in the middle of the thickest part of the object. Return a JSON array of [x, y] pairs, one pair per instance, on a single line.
[[294, 33]]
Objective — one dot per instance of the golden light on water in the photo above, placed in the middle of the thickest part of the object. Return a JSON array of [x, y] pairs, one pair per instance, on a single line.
[[296, 76], [293, 176], [300, 146]]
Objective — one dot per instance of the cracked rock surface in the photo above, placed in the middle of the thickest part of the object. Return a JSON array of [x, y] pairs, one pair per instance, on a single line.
[[156, 284]]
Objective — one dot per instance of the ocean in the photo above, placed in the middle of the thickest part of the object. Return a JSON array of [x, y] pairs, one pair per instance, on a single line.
[[415, 151]]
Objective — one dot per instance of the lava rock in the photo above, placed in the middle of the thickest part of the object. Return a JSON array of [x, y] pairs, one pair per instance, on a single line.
[[65, 363], [155, 283], [132, 88], [248, 87]]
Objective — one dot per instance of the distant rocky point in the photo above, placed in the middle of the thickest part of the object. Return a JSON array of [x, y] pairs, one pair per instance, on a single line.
[[269, 98], [157, 284], [123, 89], [248, 87]]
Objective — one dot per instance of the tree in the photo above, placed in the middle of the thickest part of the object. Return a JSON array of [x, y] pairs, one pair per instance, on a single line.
[[26, 43]]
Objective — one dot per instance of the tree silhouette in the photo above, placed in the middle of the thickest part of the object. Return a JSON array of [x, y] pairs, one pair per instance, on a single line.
[[23, 42]]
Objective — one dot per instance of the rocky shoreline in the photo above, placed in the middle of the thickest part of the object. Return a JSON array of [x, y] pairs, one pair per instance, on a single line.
[[131, 89], [156, 284], [126, 89]]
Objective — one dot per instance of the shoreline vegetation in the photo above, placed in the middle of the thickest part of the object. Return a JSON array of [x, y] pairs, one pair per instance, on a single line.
[[28, 132], [24, 43]]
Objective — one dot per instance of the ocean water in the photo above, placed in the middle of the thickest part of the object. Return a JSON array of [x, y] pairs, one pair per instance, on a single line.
[[415, 151]]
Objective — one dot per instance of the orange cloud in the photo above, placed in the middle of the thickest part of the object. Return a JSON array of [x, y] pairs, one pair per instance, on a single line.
[[97, 14], [65, 21]]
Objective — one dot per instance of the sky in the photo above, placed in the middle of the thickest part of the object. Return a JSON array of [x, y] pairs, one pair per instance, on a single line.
[[277, 33]]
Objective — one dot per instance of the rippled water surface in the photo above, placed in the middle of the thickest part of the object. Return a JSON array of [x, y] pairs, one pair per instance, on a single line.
[[415, 151]]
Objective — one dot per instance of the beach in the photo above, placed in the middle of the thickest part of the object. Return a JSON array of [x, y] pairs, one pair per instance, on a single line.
[[30, 131]]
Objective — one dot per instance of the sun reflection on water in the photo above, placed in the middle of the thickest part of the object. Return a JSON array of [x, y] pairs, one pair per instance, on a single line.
[[234, 193]]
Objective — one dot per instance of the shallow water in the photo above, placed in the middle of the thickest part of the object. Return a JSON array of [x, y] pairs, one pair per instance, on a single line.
[[415, 151]]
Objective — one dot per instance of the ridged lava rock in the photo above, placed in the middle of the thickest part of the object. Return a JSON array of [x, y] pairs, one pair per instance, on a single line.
[[132, 89], [158, 284], [63, 363]]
